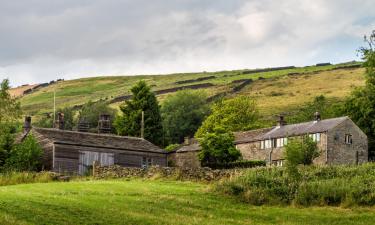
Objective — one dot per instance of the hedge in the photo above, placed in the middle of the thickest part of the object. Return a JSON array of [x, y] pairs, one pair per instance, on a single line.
[[237, 164]]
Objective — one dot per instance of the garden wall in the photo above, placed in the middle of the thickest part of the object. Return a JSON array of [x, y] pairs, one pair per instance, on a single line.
[[195, 174]]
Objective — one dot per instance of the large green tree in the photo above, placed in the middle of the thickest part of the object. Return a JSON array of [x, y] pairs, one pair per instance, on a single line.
[[183, 113], [236, 114], [10, 113], [129, 123], [360, 105], [218, 147]]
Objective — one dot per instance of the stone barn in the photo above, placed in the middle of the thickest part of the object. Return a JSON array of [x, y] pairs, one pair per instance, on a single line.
[[75, 151]]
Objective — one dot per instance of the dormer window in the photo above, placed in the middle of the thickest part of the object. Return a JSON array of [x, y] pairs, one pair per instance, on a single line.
[[348, 139]]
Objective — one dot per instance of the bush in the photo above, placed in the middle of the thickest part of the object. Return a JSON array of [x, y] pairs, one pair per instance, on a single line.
[[237, 164], [25, 156], [318, 186]]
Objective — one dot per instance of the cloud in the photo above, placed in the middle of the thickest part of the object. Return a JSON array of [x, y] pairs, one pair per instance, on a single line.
[[44, 40]]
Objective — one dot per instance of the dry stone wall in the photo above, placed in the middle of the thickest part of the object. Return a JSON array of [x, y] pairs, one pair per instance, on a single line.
[[194, 174]]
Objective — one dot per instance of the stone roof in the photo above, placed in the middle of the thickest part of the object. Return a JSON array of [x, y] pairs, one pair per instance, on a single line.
[[194, 147], [243, 136], [97, 140], [293, 130]]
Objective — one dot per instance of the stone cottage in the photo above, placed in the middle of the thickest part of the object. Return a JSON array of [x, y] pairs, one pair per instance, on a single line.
[[75, 151], [339, 140]]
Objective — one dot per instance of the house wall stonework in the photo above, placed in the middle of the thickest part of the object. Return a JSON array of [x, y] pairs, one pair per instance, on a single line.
[[188, 159], [339, 152]]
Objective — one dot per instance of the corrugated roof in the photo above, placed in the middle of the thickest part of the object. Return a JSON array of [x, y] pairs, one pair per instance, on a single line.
[[294, 129], [98, 140]]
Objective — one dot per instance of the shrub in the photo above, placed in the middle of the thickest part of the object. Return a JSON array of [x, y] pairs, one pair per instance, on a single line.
[[25, 156], [318, 186]]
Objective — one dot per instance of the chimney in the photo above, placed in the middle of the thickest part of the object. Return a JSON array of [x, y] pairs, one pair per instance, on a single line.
[[60, 123], [83, 125], [281, 122], [187, 141], [317, 116], [27, 124], [104, 124]]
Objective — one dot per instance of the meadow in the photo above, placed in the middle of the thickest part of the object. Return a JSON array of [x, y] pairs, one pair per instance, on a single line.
[[300, 87], [136, 201]]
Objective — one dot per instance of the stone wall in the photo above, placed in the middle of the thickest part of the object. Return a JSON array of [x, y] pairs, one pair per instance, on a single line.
[[194, 174], [187, 159]]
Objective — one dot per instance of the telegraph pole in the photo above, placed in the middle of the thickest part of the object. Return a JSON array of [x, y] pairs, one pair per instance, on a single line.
[[54, 108], [143, 125]]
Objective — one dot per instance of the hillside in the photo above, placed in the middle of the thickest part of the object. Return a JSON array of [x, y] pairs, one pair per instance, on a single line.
[[152, 202], [276, 90]]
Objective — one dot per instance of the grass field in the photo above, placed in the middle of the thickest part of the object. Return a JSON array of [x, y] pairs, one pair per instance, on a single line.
[[80, 91], [152, 202]]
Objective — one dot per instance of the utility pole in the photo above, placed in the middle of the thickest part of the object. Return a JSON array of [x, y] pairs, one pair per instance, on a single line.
[[143, 125], [54, 108]]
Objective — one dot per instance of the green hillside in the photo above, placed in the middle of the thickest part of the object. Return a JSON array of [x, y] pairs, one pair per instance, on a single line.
[[279, 90], [152, 202]]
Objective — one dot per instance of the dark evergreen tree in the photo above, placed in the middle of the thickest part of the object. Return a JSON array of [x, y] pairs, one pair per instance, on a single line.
[[129, 123]]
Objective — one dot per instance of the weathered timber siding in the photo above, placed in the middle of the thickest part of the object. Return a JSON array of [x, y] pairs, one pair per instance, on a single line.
[[66, 157], [341, 153]]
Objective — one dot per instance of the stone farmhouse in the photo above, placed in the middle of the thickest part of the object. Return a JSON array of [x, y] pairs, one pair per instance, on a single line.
[[339, 140], [74, 152]]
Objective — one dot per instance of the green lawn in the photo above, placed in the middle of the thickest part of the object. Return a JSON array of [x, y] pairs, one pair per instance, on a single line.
[[152, 202]]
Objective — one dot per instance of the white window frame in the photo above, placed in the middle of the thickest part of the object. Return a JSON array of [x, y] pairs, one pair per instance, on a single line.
[[348, 139], [262, 145], [146, 162], [316, 137]]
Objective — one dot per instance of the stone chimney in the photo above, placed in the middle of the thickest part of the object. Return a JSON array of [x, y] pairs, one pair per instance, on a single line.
[[27, 124], [187, 141], [104, 124], [60, 123], [281, 122], [83, 125], [317, 117]]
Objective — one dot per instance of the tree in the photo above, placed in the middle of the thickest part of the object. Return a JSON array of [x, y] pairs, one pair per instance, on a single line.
[[360, 104], [129, 123], [91, 110], [25, 156], [237, 114], [10, 112], [47, 120], [300, 150], [10, 108], [183, 113], [218, 147]]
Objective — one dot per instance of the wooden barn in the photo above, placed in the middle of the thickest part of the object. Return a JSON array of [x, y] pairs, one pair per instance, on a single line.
[[75, 151]]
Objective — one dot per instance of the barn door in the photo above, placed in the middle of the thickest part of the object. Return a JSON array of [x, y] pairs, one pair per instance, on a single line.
[[86, 159]]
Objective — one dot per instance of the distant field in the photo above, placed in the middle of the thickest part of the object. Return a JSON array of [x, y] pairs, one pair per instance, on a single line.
[[152, 202], [279, 90]]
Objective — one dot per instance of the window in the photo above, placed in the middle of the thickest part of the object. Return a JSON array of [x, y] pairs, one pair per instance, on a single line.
[[348, 139], [146, 162], [261, 144], [278, 162], [315, 137], [281, 142], [268, 144]]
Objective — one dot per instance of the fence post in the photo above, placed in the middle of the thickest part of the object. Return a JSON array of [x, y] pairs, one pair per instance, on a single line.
[[94, 165]]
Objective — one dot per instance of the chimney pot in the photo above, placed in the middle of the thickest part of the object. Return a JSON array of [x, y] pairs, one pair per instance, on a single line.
[[60, 121], [187, 140], [104, 123], [281, 122], [317, 116], [27, 124]]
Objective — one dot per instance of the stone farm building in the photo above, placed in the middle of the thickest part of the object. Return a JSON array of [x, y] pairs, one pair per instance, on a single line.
[[75, 151], [339, 140]]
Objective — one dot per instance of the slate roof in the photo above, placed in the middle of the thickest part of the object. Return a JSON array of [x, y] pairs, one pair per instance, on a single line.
[[294, 130], [97, 140]]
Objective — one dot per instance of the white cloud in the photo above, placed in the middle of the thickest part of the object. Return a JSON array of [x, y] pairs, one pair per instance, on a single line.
[[44, 40]]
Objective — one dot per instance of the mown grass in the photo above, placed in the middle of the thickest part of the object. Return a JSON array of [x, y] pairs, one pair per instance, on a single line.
[[316, 186], [152, 202]]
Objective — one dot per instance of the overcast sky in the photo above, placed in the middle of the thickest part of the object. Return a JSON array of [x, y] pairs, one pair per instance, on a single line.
[[41, 40]]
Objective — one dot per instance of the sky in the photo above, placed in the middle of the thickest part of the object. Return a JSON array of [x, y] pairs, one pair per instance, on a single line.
[[43, 40]]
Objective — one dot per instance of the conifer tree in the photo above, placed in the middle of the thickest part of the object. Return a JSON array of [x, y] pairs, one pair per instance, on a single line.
[[129, 123]]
